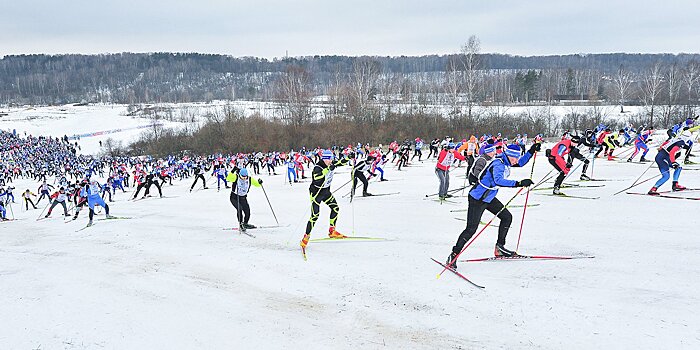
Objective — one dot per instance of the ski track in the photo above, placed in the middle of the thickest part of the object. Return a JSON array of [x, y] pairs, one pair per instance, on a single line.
[[170, 278]]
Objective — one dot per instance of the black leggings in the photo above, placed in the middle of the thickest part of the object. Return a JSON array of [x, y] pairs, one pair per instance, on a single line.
[[199, 176], [474, 212], [242, 207], [319, 196], [360, 176], [562, 175]]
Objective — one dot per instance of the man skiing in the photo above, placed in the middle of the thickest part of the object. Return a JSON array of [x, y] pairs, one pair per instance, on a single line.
[[561, 156], [442, 168], [483, 197], [666, 159], [320, 191], [240, 185]]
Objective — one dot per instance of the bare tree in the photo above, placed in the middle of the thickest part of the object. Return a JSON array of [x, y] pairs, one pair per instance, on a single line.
[[691, 77], [295, 90], [622, 81], [472, 64], [652, 88], [365, 72], [673, 86], [453, 82]]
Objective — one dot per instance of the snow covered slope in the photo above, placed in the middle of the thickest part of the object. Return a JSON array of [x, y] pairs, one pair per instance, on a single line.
[[171, 278]]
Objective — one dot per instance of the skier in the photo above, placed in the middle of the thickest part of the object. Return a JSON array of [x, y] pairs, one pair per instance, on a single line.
[[27, 199], [59, 197], [320, 191], [240, 185], [43, 191], [640, 142], [442, 168], [483, 197], [666, 159], [419, 146], [358, 174], [199, 172], [561, 156], [92, 192]]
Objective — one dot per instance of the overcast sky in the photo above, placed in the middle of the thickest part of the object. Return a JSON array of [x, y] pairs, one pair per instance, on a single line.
[[353, 27]]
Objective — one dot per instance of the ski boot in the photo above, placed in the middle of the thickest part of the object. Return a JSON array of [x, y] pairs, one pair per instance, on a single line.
[[629, 160], [452, 261], [500, 250], [304, 241], [448, 196], [366, 194], [108, 216], [676, 187], [556, 191], [643, 160], [89, 223], [247, 226], [332, 233], [584, 177], [653, 192], [383, 179]]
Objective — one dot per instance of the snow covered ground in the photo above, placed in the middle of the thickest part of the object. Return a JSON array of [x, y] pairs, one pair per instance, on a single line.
[[171, 278]]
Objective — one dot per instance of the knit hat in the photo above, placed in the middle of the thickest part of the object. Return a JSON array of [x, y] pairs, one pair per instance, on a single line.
[[327, 154], [512, 151], [490, 147], [244, 172]]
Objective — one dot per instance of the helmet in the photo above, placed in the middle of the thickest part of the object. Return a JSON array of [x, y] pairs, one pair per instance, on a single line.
[[244, 172], [576, 139]]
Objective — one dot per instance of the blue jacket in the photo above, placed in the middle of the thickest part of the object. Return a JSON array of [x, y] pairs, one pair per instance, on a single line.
[[495, 175]]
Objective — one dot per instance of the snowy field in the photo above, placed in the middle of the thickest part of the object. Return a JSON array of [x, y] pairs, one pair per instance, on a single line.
[[69, 120], [172, 278]]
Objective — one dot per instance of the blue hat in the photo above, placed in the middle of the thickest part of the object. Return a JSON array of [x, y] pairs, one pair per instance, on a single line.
[[512, 151], [244, 172], [327, 154], [451, 145], [490, 147]]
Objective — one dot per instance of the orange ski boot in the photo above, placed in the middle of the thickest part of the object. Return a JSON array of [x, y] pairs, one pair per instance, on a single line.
[[332, 233]]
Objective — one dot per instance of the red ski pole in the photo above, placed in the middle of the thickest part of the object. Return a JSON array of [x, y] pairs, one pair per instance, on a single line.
[[527, 197]]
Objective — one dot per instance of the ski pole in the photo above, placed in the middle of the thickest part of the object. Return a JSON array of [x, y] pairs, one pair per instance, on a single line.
[[482, 230], [637, 184], [42, 212], [268, 202], [635, 181], [527, 196], [449, 191]]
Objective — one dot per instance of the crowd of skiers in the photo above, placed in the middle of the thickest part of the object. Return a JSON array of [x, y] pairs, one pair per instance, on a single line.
[[488, 159]]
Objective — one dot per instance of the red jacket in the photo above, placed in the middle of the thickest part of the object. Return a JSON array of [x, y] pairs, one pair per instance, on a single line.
[[446, 158]]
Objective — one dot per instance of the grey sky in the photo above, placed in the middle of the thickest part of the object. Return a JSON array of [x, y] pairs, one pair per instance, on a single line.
[[266, 28]]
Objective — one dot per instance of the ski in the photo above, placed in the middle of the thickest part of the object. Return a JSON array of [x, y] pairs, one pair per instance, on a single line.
[[257, 227], [598, 180], [116, 218], [457, 273], [86, 226], [569, 186], [661, 195], [567, 196], [348, 238], [529, 257], [379, 195]]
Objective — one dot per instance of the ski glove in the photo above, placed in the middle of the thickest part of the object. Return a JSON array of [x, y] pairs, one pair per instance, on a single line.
[[260, 181], [536, 147], [675, 165], [586, 161], [569, 165], [524, 183]]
